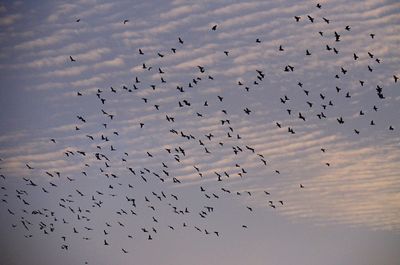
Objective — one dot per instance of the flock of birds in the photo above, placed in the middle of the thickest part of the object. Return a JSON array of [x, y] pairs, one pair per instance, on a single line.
[[78, 219]]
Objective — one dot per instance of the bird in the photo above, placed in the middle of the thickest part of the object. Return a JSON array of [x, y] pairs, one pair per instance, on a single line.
[[301, 117], [72, 59], [337, 36], [126, 21], [214, 27]]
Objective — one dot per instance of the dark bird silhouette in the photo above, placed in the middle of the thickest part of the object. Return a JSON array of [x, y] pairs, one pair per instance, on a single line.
[[214, 27], [72, 59], [301, 117]]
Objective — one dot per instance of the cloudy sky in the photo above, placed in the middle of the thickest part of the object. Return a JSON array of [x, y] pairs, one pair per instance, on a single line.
[[264, 141]]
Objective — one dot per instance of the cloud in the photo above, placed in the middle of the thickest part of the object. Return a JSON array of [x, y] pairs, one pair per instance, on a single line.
[[2, 8], [41, 42], [61, 10], [91, 55], [358, 187], [73, 71], [9, 19], [117, 62], [47, 86], [97, 9], [180, 11], [87, 82]]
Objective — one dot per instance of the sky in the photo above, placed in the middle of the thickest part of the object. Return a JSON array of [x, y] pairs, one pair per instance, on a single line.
[[200, 132]]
